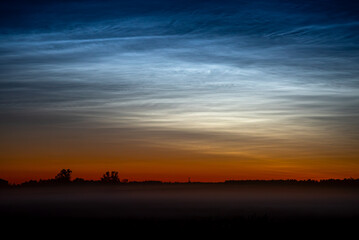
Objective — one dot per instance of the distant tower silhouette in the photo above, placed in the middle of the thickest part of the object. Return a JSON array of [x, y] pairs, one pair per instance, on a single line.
[[189, 180]]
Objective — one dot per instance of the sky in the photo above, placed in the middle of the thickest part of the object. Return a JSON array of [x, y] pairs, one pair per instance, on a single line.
[[166, 90]]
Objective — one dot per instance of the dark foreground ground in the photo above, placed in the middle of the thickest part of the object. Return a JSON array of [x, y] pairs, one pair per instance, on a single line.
[[181, 207]]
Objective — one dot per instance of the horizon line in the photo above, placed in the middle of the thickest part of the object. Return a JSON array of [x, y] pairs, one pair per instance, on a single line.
[[82, 180]]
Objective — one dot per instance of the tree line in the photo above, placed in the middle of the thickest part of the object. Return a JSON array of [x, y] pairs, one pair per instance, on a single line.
[[64, 177]]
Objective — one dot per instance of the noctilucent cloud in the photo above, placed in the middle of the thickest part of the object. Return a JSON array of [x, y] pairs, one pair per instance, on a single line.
[[172, 89]]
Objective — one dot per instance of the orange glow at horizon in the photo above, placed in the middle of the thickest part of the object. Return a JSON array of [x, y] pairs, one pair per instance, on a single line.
[[207, 169], [38, 155]]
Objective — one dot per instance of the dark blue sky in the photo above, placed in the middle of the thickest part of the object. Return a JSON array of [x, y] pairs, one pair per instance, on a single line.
[[244, 79]]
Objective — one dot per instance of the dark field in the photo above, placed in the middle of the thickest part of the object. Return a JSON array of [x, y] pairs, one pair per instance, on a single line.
[[179, 206]]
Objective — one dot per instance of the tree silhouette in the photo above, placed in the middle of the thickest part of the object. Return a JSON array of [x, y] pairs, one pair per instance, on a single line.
[[3, 183], [110, 177], [64, 176]]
